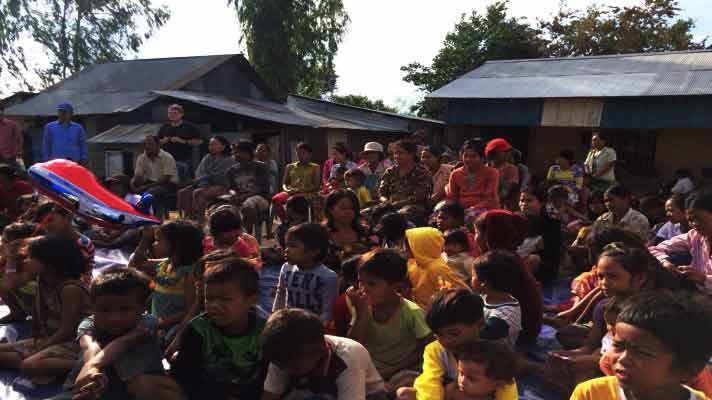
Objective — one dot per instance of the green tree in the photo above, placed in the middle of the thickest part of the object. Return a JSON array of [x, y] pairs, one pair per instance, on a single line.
[[600, 30], [475, 39], [77, 33], [362, 101], [292, 43]]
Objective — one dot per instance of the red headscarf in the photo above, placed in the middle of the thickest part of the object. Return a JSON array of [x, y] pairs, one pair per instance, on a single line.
[[502, 229]]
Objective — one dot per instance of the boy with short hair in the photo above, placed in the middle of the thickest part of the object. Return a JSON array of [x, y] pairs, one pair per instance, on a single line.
[[660, 340], [308, 364], [297, 213], [451, 217], [456, 318], [219, 356], [304, 282], [483, 368], [227, 233], [55, 219], [120, 353], [459, 260], [392, 328], [355, 181]]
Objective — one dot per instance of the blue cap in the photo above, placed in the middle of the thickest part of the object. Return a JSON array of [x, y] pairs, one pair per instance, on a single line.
[[66, 107]]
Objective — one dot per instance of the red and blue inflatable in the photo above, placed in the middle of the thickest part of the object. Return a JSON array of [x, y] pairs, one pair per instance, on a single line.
[[77, 189]]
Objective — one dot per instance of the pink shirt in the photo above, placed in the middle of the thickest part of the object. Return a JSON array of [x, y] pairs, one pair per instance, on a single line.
[[692, 243], [480, 192]]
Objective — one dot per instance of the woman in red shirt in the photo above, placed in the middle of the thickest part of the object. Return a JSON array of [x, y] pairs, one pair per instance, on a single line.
[[474, 186]]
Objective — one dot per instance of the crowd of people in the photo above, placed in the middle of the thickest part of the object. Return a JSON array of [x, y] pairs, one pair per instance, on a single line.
[[408, 271]]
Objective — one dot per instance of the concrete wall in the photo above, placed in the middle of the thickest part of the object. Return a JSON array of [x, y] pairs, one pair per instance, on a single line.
[[683, 148]]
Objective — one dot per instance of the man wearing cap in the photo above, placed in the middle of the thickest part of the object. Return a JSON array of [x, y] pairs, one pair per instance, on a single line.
[[499, 152], [64, 138], [10, 139], [372, 166]]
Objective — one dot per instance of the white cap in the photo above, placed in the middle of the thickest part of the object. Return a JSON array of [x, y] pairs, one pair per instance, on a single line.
[[373, 146]]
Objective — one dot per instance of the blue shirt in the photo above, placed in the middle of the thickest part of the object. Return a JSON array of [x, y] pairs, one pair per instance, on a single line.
[[64, 141]]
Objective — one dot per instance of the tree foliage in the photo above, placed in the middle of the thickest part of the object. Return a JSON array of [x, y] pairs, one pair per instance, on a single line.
[[475, 39], [76, 33], [362, 101], [292, 43], [600, 30]]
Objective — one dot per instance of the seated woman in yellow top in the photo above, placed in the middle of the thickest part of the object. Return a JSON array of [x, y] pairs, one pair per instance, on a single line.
[[300, 178], [660, 340]]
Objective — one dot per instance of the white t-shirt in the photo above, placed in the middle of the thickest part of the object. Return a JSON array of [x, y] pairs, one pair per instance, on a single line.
[[509, 312], [360, 378]]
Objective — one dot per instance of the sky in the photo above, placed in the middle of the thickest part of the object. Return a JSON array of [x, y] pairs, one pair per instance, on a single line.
[[383, 36]]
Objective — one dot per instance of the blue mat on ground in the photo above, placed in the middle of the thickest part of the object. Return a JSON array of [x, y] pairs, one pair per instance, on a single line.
[[530, 388]]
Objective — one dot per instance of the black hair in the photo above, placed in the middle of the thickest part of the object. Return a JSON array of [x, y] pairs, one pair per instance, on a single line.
[[386, 264], [475, 145], [305, 146], [500, 362], [665, 316], [701, 201], [436, 151], [234, 270], [596, 195], [300, 204], [59, 253], [342, 148], [678, 201], [618, 190], [50, 207], [601, 236], [498, 269], [454, 306], [455, 210], [7, 171], [120, 281], [393, 226], [683, 173], [349, 271], [356, 173], [224, 220], [540, 192], [19, 230], [313, 237], [408, 145], [568, 155], [557, 192], [335, 197], [635, 260], [378, 211], [246, 147], [613, 307], [209, 260], [458, 236], [185, 240], [155, 139], [416, 215], [226, 143], [290, 335]]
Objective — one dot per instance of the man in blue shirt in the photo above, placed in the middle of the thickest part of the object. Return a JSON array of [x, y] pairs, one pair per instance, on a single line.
[[64, 138]]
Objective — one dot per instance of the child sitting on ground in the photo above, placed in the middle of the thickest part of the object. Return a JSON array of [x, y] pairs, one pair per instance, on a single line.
[[451, 217], [483, 368], [18, 287], [559, 207], [297, 213], [650, 356], [120, 354], [493, 281], [305, 363], [457, 249], [226, 233], [304, 282], [55, 219], [427, 270], [391, 328], [455, 317], [179, 244], [219, 355], [62, 302], [354, 181]]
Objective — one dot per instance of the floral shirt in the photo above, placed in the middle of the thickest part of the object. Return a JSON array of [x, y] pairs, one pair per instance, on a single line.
[[415, 186]]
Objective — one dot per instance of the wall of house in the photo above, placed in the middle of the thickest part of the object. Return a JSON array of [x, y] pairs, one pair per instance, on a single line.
[[229, 80], [683, 148], [546, 143]]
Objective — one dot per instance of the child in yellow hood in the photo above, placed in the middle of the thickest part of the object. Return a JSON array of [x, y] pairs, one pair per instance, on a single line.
[[427, 269]]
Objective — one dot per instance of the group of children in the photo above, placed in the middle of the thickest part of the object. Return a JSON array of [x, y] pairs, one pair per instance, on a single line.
[[378, 301]]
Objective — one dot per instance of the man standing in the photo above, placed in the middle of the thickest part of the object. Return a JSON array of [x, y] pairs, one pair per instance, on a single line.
[[64, 138], [10, 139], [155, 173], [249, 184], [178, 138]]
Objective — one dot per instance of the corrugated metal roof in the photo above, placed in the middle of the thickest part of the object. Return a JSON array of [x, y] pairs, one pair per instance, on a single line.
[[299, 111], [127, 133], [686, 73], [118, 86]]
